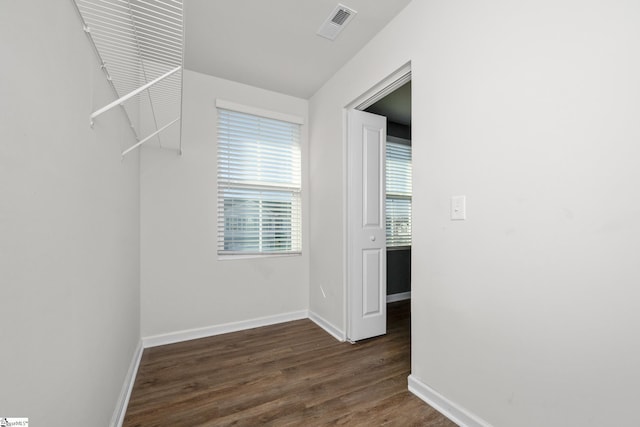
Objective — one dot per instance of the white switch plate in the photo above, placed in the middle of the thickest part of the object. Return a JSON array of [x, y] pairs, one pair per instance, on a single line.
[[458, 207]]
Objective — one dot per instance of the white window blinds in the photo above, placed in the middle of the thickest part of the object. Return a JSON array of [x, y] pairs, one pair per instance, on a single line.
[[398, 199], [259, 205]]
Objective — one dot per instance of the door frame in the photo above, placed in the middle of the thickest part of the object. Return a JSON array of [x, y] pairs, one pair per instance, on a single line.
[[387, 85]]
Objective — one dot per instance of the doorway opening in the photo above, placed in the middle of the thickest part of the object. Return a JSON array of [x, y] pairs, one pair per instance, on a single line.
[[396, 107], [378, 217]]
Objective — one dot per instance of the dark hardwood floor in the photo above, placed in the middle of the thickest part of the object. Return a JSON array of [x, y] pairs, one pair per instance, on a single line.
[[291, 374]]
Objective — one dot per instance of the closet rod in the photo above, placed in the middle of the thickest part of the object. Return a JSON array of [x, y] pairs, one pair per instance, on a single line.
[[122, 99]]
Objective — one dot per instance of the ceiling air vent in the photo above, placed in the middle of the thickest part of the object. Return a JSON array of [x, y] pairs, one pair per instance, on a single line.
[[337, 20]]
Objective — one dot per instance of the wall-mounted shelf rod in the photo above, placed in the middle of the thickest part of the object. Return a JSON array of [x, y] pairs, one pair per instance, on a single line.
[[130, 95], [142, 141], [87, 33], [140, 46]]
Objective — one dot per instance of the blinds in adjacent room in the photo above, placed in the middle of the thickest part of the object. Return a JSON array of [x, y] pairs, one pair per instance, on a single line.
[[259, 203], [398, 199]]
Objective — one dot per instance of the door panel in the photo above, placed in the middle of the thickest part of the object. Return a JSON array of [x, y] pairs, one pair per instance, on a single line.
[[371, 179], [371, 266], [367, 287]]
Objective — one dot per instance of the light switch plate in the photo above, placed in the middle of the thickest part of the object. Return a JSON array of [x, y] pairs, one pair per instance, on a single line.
[[458, 207]]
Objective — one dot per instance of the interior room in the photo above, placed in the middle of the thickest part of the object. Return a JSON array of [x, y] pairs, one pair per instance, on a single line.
[[121, 232], [396, 107]]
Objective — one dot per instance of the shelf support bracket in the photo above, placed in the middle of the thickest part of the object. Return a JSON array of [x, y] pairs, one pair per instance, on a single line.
[[142, 141], [130, 95]]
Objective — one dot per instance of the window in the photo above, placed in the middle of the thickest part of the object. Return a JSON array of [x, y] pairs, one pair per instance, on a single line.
[[259, 204], [398, 199]]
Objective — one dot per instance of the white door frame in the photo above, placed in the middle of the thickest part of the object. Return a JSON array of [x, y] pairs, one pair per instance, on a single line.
[[377, 92]]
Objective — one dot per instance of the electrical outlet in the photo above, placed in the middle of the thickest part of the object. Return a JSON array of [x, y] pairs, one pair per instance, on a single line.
[[458, 208]]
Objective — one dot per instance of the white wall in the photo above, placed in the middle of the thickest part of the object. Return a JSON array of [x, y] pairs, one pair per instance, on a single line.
[[528, 312], [326, 269], [69, 234], [184, 285]]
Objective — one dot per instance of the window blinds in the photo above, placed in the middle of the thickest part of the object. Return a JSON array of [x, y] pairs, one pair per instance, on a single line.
[[398, 199], [259, 203]]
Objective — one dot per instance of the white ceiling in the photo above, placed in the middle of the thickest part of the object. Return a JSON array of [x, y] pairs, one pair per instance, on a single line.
[[272, 44]]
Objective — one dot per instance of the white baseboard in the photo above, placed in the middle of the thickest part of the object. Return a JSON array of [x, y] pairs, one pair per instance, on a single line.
[[398, 297], [446, 407], [209, 331], [127, 387], [328, 327]]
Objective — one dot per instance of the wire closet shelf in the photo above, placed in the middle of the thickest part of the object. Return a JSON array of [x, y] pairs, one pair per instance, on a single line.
[[140, 45]]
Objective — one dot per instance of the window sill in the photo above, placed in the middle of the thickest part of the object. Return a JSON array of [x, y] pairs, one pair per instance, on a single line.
[[398, 248], [236, 256]]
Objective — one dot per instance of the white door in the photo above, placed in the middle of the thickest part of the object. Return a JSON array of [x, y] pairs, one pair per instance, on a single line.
[[367, 258]]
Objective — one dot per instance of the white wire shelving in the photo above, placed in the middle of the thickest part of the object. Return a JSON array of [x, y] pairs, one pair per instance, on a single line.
[[140, 45]]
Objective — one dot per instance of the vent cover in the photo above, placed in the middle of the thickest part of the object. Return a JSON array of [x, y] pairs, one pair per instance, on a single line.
[[337, 20], [340, 17]]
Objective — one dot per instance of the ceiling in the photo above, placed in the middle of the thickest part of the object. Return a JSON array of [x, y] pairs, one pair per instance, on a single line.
[[273, 44]]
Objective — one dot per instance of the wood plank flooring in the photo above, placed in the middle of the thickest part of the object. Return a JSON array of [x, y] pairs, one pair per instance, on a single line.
[[291, 374]]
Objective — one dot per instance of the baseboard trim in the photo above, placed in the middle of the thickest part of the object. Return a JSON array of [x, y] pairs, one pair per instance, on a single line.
[[328, 327], [127, 388], [446, 407], [398, 297], [209, 331]]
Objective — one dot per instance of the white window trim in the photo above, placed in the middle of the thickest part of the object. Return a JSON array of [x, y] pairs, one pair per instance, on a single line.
[[228, 105]]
